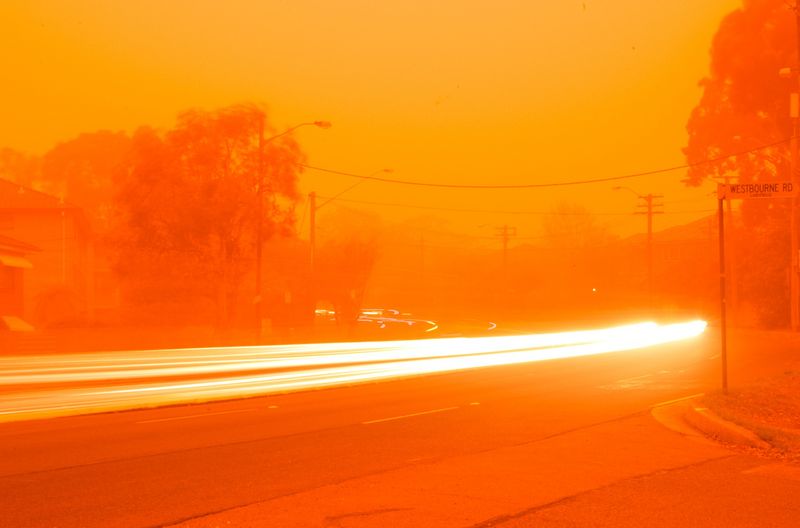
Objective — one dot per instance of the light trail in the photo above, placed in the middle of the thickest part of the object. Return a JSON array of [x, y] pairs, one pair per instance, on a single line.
[[192, 362], [54, 381]]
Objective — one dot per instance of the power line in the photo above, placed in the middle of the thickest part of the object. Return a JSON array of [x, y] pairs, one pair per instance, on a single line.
[[490, 211], [551, 184]]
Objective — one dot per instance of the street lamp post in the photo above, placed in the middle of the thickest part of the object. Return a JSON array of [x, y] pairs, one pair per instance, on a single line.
[[260, 211], [312, 224]]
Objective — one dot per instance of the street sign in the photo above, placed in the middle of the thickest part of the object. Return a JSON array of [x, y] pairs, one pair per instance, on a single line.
[[781, 189]]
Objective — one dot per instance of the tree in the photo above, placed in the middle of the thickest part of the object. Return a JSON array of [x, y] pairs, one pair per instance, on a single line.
[[744, 107], [189, 202], [18, 167], [744, 103], [347, 253], [83, 171], [576, 253], [573, 227]]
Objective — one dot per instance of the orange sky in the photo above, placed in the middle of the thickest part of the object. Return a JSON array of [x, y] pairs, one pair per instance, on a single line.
[[457, 91]]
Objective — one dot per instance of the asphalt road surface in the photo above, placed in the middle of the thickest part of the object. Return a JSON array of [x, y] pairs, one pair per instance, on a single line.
[[162, 466]]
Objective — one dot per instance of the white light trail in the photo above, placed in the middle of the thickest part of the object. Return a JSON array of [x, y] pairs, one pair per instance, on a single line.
[[58, 385]]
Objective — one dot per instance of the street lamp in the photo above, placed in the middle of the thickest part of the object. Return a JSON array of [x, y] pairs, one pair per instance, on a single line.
[[648, 203], [312, 220], [260, 209]]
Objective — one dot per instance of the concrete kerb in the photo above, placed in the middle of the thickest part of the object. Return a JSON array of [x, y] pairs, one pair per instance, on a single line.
[[677, 415], [702, 419]]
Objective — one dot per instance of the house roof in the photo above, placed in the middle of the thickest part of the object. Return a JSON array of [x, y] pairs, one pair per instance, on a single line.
[[16, 196], [16, 246]]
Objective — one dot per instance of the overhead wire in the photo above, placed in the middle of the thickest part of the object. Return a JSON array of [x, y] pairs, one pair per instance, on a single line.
[[550, 184], [490, 211]]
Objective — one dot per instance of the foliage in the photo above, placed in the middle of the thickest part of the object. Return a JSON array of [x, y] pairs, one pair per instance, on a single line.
[[576, 249], [745, 103], [572, 227], [348, 249], [188, 206], [744, 107], [18, 167], [82, 171]]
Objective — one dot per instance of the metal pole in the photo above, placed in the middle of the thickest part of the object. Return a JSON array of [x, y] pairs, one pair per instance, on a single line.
[[312, 239], [733, 289], [505, 251], [63, 242], [649, 200], [722, 301], [794, 299], [259, 229], [422, 260], [794, 280]]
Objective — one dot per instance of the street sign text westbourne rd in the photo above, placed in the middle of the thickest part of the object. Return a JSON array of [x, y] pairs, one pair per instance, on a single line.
[[781, 189]]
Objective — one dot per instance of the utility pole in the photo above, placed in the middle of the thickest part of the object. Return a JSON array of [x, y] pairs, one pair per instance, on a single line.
[[793, 73], [312, 230], [505, 232], [312, 221], [260, 231], [649, 206], [422, 259], [312, 256], [260, 185], [794, 110]]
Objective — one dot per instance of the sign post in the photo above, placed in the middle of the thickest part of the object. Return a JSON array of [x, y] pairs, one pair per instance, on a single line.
[[739, 191], [722, 299]]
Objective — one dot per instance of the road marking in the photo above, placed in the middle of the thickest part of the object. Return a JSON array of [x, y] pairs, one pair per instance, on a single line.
[[629, 383], [409, 415], [676, 400], [272, 407], [475, 403], [193, 416]]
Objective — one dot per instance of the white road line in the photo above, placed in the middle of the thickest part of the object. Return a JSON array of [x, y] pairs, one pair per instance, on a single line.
[[628, 383], [409, 415], [193, 416], [676, 400], [635, 378]]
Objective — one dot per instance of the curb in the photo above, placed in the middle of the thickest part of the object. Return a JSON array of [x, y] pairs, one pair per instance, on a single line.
[[708, 423]]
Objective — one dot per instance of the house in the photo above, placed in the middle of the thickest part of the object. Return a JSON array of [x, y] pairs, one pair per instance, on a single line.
[[52, 242], [13, 266]]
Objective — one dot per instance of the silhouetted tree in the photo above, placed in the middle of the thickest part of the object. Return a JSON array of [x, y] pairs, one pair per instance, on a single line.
[[348, 248], [745, 106], [18, 167], [188, 205], [575, 244], [573, 227], [83, 170]]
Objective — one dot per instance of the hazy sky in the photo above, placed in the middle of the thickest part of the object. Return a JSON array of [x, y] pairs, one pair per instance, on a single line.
[[455, 91]]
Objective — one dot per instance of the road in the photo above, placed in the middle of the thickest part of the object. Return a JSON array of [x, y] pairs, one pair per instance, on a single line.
[[157, 467]]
